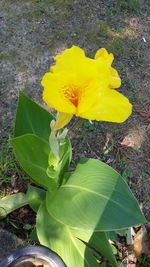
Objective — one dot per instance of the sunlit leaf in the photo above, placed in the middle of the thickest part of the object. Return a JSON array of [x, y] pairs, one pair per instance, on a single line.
[[95, 198], [32, 154], [31, 118], [63, 241]]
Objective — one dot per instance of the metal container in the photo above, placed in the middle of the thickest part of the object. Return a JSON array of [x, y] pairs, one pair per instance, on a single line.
[[32, 256]]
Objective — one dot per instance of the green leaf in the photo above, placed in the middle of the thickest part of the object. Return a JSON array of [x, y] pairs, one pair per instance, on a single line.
[[57, 168], [33, 235], [65, 155], [52, 233], [54, 145], [10, 203], [32, 154], [31, 118], [114, 249], [99, 241], [95, 198], [63, 241], [35, 196], [112, 235]]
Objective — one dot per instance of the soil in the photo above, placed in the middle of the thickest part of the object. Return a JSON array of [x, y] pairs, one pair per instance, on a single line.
[[32, 32]]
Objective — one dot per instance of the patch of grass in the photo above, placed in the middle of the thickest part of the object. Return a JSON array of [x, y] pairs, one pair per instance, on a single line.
[[101, 29], [36, 9], [8, 166], [6, 162], [132, 6], [4, 56], [129, 85], [144, 261], [116, 46], [121, 41], [64, 2], [124, 7]]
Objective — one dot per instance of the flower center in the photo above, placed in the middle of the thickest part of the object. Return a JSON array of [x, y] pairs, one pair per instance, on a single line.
[[71, 93]]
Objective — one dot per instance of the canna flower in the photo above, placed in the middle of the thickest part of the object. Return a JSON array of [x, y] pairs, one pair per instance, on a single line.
[[84, 87]]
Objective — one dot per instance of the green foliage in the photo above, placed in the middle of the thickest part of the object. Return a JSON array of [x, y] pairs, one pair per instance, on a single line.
[[74, 210], [31, 118], [32, 154], [31, 143], [35, 196], [64, 240], [100, 192], [11, 203]]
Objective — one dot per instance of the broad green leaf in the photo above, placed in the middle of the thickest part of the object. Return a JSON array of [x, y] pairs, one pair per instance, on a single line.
[[31, 118], [99, 242], [35, 196], [32, 154], [95, 198], [112, 235], [11, 202], [63, 241]]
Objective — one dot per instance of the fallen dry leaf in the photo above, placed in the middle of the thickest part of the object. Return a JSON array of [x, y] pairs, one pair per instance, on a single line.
[[141, 244], [135, 138]]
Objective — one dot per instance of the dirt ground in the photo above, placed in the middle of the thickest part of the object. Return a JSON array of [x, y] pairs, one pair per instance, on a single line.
[[33, 31]]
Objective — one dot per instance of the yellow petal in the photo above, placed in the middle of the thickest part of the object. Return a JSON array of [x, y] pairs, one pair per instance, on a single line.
[[69, 60], [115, 81], [88, 95], [104, 61], [62, 119], [53, 93], [102, 54], [74, 50], [112, 106]]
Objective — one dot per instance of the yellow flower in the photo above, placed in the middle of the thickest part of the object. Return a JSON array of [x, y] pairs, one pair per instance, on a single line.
[[81, 86]]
